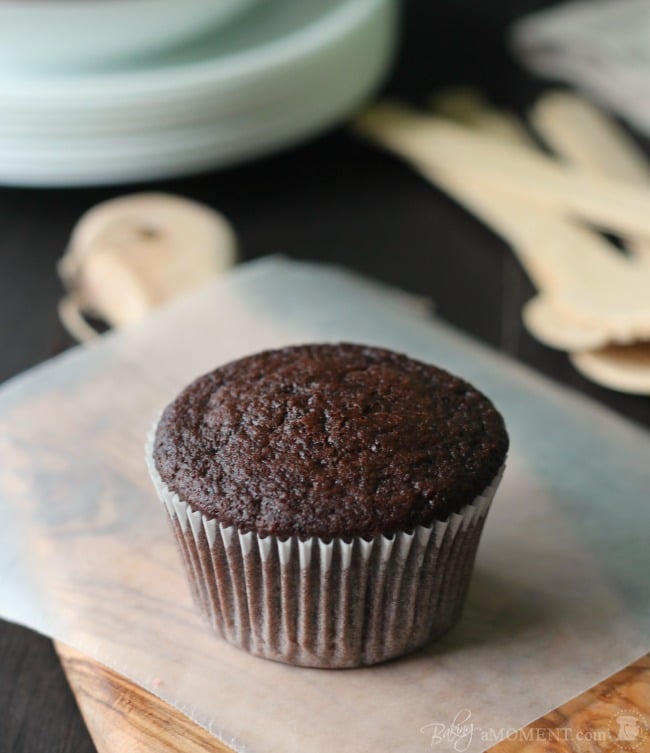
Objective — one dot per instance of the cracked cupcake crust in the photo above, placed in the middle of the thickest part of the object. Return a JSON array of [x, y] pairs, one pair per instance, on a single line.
[[326, 440]]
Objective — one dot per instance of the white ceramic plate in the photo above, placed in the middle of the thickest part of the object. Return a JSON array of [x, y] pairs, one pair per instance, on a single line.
[[218, 84], [216, 135], [269, 46], [47, 35]]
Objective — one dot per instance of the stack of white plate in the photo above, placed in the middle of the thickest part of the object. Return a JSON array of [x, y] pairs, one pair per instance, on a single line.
[[277, 74]]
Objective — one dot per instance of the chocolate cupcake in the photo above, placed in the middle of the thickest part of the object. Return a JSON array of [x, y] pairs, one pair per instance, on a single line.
[[328, 499]]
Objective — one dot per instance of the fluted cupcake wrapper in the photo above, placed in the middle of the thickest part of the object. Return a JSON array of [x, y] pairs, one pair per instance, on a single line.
[[327, 604]]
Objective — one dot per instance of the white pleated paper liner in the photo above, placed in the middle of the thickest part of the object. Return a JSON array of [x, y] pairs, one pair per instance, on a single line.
[[332, 605]]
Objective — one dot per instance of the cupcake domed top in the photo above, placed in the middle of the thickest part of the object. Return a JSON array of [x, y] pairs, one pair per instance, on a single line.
[[329, 440]]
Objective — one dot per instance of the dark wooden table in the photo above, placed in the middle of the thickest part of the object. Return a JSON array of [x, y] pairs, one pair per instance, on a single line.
[[334, 200]]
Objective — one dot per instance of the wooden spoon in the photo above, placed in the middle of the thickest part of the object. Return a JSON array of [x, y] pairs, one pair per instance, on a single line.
[[579, 272], [590, 295], [585, 136], [438, 143]]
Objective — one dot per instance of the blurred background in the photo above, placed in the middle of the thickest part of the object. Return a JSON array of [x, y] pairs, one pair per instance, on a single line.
[[330, 196], [319, 191]]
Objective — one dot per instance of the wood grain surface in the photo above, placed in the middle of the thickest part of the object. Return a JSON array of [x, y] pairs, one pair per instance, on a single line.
[[120, 716], [123, 717], [588, 723]]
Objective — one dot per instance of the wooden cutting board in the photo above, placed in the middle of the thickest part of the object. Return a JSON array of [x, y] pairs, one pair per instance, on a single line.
[[120, 716]]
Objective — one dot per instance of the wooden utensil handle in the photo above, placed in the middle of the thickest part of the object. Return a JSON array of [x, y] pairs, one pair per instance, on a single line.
[[442, 145], [586, 137]]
